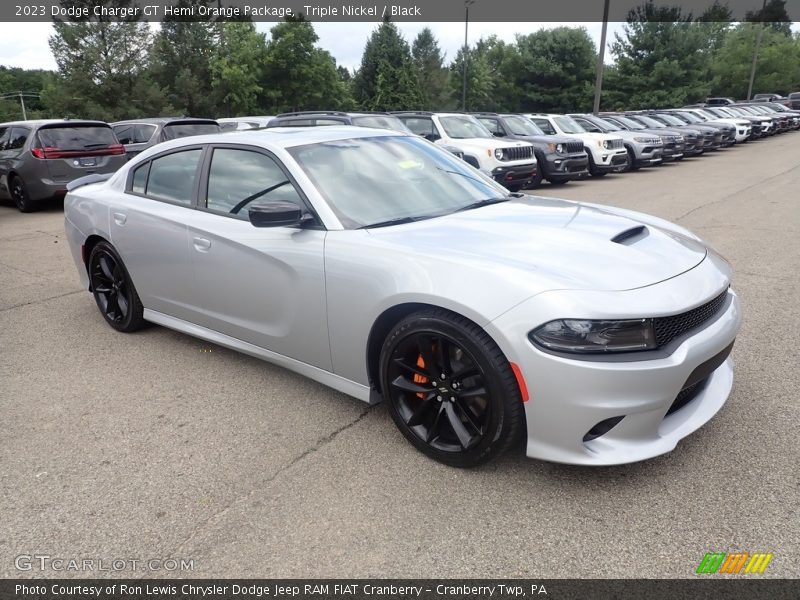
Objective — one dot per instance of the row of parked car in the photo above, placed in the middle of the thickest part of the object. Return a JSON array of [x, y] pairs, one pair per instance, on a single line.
[[39, 158]]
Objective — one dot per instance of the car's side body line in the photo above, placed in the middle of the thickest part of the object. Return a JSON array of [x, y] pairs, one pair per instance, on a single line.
[[351, 388]]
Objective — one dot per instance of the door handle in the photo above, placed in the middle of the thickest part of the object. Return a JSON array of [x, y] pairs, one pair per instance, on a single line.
[[120, 218], [201, 244]]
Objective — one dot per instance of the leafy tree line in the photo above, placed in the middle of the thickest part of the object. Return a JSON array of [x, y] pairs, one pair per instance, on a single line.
[[663, 57]]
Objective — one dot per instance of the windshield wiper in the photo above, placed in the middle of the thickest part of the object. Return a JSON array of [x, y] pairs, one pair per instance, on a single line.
[[397, 221], [489, 201]]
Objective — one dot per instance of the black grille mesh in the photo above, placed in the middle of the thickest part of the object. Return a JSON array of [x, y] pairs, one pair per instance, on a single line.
[[686, 395], [574, 147], [518, 153], [668, 328]]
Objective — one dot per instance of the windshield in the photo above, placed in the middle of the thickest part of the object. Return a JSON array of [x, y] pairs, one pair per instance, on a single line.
[[381, 122], [629, 123], [691, 117], [707, 113], [522, 126], [649, 122], [567, 125], [461, 128], [77, 137], [182, 130], [373, 180], [671, 120]]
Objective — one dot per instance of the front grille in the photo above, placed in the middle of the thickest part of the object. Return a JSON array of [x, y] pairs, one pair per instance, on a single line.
[[518, 153], [573, 147], [669, 328], [614, 144]]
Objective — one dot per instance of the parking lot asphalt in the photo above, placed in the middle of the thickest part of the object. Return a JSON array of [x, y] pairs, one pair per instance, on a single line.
[[158, 445]]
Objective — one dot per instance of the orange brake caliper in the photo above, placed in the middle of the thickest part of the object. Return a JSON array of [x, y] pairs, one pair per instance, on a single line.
[[420, 378]]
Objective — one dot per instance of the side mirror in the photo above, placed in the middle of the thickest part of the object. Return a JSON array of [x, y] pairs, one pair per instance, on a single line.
[[498, 134], [431, 137], [275, 214]]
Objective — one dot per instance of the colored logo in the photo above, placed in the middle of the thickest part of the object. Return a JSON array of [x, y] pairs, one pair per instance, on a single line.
[[734, 563]]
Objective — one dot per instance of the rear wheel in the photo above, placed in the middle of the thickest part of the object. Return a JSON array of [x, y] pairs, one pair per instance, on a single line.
[[450, 389], [20, 195], [537, 181], [113, 289]]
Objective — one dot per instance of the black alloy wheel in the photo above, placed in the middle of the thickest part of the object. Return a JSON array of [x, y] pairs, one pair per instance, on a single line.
[[20, 195], [450, 390], [113, 289]]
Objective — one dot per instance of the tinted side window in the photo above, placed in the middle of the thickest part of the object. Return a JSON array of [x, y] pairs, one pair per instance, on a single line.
[[239, 178], [124, 133], [143, 133], [545, 126], [17, 138], [139, 184], [172, 176], [422, 126]]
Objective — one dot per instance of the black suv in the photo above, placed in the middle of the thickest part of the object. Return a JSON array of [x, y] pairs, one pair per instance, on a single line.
[[560, 158], [39, 158]]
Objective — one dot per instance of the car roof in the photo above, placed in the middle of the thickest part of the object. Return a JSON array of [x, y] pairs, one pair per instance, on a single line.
[[41, 122], [164, 120], [286, 137]]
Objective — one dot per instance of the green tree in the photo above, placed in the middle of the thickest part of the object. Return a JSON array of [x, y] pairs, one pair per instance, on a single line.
[[386, 79], [181, 62], [102, 70], [432, 76], [774, 15], [480, 84], [236, 67], [504, 64], [661, 60], [777, 69], [298, 75], [555, 70]]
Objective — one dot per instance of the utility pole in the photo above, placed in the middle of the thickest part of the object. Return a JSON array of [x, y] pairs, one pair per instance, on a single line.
[[22, 102], [598, 80], [755, 52], [467, 4]]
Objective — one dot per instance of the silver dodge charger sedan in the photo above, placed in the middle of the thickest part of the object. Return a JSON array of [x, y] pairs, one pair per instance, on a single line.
[[386, 268]]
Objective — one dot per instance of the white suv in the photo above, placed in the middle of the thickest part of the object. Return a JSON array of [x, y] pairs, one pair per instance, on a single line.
[[606, 151], [509, 162]]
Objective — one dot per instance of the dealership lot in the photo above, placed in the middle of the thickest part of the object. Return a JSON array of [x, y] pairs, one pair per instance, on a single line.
[[158, 445]]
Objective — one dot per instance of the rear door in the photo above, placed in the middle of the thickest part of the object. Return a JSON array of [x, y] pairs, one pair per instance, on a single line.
[[5, 132], [148, 228], [73, 149]]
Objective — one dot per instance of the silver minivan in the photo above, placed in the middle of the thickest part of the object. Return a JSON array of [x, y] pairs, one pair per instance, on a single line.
[[139, 134]]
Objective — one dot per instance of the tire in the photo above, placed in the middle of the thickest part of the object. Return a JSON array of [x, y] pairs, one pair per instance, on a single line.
[[113, 290], [593, 167], [19, 194], [632, 166], [470, 416], [537, 181]]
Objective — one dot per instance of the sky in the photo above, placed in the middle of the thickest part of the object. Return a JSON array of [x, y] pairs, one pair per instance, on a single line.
[[25, 44]]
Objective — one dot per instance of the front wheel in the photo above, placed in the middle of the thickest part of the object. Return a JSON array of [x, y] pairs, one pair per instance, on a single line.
[[593, 170], [450, 389], [632, 166], [113, 289]]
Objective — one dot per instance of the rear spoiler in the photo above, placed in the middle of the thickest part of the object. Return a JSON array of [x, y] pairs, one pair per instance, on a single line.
[[88, 179]]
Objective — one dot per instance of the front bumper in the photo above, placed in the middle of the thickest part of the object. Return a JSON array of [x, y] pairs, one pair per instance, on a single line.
[[645, 155], [610, 161], [515, 175], [569, 397], [566, 166]]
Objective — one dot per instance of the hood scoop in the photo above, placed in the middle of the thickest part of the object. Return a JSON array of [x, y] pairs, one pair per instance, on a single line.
[[631, 236]]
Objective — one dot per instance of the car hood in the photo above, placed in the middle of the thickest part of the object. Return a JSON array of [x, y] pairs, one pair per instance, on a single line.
[[481, 144], [590, 135], [550, 244]]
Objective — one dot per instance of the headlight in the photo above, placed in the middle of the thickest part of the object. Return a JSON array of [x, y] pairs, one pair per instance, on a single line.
[[498, 153], [679, 138], [595, 337], [560, 148], [605, 144]]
